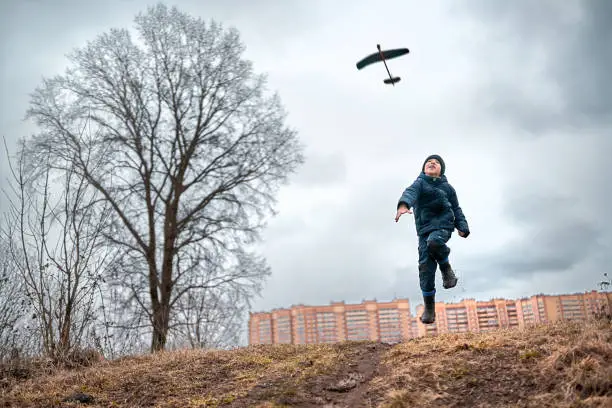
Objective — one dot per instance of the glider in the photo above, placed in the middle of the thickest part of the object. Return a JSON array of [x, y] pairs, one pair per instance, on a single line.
[[383, 56]]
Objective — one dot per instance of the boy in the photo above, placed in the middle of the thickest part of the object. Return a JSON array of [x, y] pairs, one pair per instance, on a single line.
[[436, 215]]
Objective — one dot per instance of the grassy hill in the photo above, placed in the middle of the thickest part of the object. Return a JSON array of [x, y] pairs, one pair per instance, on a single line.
[[559, 365]]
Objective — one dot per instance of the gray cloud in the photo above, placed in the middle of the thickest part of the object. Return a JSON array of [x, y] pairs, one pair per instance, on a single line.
[[548, 249], [321, 169], [586, 63], [564, 48], [556, 234]]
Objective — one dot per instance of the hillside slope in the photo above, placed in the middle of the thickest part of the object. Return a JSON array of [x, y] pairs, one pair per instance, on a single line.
[[559, 365]]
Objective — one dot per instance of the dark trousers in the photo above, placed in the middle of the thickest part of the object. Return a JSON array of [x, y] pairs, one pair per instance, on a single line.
[[432, 251]]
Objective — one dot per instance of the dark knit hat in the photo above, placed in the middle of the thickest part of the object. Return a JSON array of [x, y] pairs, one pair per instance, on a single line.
[[438, 158]]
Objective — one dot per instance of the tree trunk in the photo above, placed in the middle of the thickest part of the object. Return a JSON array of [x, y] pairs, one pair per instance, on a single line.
[[161, 316], [64, 343], [160, 330]]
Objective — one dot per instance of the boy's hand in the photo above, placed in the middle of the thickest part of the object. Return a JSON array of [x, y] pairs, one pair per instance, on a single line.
[[402, 210], [461, 233]]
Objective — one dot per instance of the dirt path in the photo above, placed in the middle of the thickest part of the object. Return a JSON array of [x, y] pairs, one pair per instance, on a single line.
[[347, 386], [351, 386]]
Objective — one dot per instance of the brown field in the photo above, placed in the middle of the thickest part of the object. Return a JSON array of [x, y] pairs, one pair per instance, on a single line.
[[559, 365]]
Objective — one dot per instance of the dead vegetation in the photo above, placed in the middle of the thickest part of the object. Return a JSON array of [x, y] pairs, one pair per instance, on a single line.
[[559, 365]]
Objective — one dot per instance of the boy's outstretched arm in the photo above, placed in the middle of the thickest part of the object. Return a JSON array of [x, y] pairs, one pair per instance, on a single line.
[[408, 198], [460, 222]]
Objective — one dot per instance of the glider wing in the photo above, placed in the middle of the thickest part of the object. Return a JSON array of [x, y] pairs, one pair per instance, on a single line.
[[376, 57]]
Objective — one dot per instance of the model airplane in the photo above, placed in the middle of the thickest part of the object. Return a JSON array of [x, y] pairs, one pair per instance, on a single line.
[[383, 56]]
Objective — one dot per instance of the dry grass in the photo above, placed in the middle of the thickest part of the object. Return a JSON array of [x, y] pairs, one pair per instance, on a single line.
[[561, 365], [17, 368]]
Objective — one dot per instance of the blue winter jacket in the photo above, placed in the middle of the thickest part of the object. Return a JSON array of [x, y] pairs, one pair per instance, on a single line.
[[435, 205]]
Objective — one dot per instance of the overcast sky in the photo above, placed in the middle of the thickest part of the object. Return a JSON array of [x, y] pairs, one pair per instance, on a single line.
[[515, 96]]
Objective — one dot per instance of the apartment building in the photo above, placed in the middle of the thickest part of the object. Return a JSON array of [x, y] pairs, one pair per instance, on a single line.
[[369, 320], [392, 321], [470, 315]]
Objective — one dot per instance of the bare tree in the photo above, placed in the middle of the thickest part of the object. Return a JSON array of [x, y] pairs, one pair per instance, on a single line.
[[212, 315], [211, 320], [54, 246], [13, 307], [185, 144]]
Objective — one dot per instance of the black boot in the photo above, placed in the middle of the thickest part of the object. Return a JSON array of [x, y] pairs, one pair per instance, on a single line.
[[449, 280], [429, 315]]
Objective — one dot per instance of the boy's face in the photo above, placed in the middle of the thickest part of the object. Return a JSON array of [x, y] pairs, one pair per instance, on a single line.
[[433, 168]]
